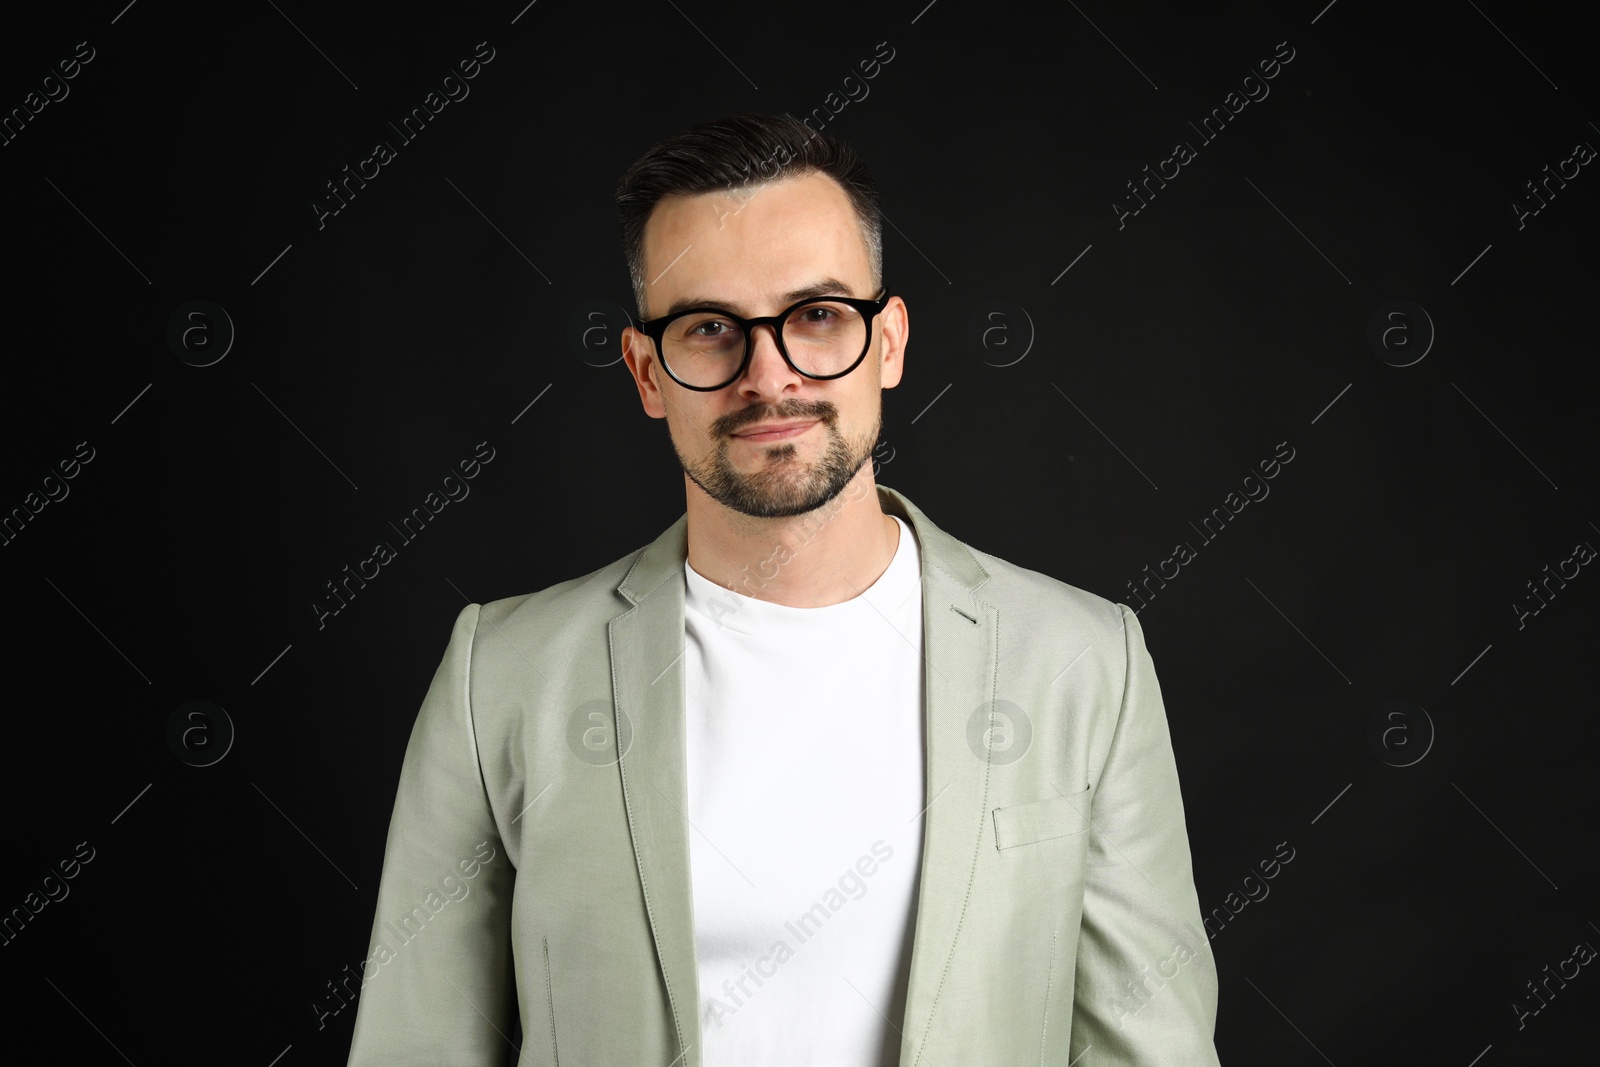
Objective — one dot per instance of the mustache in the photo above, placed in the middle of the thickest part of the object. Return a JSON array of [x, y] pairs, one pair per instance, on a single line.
[[819, 409]]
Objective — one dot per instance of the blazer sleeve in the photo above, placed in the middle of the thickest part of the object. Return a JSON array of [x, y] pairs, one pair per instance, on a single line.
[[437, 984], [1146, 990]]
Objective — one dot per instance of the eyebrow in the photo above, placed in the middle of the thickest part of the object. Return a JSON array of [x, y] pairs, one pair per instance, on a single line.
[[822, 287]]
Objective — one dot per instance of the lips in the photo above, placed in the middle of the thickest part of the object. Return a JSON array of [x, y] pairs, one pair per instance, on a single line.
[[774, 430]]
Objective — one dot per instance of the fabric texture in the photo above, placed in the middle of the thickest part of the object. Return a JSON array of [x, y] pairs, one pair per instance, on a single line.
[[538, 864]]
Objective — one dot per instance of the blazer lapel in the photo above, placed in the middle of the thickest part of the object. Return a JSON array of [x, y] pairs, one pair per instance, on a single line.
[[647, 647], [959, 637]]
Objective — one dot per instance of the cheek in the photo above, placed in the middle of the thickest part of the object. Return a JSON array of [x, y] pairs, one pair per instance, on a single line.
[[867, 405], [682, 436], [690, 428]]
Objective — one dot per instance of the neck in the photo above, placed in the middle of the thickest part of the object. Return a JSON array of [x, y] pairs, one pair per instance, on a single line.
[[823, 557]]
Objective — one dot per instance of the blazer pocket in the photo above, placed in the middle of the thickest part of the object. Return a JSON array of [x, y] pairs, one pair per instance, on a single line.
[[1041, 820]]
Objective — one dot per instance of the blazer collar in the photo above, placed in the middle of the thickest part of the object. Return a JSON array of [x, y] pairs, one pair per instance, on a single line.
[[664, 557]]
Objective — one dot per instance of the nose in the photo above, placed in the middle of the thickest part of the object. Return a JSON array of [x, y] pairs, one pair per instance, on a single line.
[[768, 372]]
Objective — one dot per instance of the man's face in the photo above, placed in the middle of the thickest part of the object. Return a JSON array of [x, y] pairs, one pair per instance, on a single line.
[[754, 254]]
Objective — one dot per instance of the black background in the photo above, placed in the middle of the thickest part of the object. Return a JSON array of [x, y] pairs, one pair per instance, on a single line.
[[1072, 421]]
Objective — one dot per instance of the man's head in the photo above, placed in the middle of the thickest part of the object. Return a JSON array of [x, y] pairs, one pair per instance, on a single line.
[[751, 215]]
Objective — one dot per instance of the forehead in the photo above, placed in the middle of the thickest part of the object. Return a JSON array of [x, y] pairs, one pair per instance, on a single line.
[[743, 248]]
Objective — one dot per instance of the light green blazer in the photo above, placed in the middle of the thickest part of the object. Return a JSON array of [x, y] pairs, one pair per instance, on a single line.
[[533, 871]]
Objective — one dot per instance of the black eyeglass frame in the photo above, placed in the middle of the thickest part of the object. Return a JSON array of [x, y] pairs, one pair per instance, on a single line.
[[656, 329]]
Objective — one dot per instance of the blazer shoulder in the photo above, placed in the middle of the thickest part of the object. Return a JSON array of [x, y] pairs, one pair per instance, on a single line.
[[1043, 599], [561, 604]]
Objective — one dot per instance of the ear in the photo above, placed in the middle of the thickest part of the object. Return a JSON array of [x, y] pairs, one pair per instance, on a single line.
[[895, 332], [639, 353]]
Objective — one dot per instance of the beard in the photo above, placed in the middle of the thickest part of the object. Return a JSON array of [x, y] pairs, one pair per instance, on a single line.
[[785, 485]]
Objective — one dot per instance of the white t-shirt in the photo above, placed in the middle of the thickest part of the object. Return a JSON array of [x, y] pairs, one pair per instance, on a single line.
[[806, 792]]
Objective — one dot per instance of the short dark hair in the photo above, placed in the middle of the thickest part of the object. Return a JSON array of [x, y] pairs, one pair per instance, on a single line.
[[734, 153]]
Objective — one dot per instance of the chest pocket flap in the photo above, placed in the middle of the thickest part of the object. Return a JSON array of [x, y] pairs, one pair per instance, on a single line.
[[1041, 820]]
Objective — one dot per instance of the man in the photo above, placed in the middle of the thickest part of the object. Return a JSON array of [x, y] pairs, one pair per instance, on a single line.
[[806, 780]]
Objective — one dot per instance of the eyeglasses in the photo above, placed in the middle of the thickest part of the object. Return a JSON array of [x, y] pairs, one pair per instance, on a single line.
[[708, 348]]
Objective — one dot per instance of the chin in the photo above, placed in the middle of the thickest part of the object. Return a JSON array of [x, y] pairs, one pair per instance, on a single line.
[[779, 490]]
